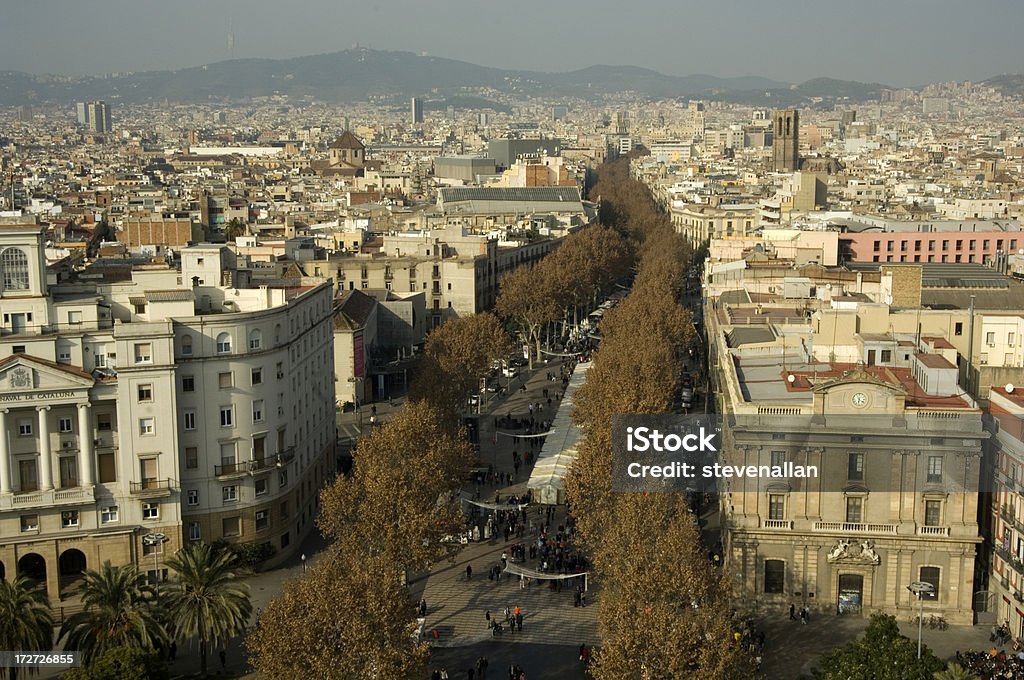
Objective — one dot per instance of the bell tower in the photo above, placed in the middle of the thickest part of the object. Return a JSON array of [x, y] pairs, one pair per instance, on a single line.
[[786, 141]]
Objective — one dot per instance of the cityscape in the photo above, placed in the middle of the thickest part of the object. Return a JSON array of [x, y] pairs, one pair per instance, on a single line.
[[373, 362]]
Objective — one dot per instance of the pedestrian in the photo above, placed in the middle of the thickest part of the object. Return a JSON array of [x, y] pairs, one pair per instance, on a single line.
[[804, 616], [223, 654], [436, 675], [469, 572], [444, 674], [487, 615], [172, 651], [792, 612], [423, 607], [481, 667], [508, 614], [470, 672], [519, 621]]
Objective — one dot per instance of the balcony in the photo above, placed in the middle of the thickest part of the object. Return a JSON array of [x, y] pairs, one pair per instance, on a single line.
[[250, 467], [45, 499], [152, 488], [933, 531], [231, 469], [1010, 559], [856, 528], [59, 328], [777, 524]]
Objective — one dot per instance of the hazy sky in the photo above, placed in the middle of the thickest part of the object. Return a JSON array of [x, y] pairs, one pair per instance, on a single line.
[[896, 42]]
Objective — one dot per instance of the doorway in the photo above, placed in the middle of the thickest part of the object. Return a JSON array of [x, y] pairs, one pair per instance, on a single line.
[[851, 594]]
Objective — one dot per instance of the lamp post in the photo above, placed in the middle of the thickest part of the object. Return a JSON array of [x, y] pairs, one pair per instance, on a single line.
[[920, 588], [155, 540]]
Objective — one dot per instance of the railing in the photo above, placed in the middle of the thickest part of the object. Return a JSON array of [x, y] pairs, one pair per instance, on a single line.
[[778, 410], [252, 466], [778, 524], [1010, 559], [857, 528], [155, 486], [230, 469], [67, 496], [933, 531], [58, 328]]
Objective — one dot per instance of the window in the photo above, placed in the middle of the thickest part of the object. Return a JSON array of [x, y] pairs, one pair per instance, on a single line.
[[194, 532], [228, 460], [990, 338], [886, 356], [255, 340], [143, 353], [958, 328], [284, 510], [108, 515], [231, 526], [68, 468], [854, 510], [69, 519], [855, 466], [188, 383], [257, 376], [257, 411], [145, 392], [776, 506], [106, 468], [933, 513], [285, 540], [189, 420], [934, 469], [227, 416], [104, 422], [146, 426], [193, 497], [778, 458], [191, 457], [64, 425], [282, 480], [186, 345], [24, 428], [224, 343], [930, 575], [14, 267], [774, 576], [225, 380], [29, 523], [229, 494], [261, 487], [64, 355], [262, 521]]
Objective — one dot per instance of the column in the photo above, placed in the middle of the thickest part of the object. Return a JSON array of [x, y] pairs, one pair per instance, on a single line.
[[87, 460], [5, 460], [45, 458]]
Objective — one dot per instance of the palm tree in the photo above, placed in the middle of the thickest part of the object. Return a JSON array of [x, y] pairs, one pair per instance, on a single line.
[[26, 623], [206, 599], [119, 611], [954, 671]]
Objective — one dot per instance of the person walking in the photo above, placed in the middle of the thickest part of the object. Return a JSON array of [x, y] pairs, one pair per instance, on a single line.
[[223, 654], [481, 667], [469, 572], [423, 607], [792, 612], [487, 616]]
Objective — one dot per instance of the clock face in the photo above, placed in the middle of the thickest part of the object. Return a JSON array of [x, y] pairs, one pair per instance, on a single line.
[[860, 400]]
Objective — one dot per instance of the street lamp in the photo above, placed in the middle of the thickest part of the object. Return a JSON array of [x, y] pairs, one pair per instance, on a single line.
[[155, 540], [920, 588]]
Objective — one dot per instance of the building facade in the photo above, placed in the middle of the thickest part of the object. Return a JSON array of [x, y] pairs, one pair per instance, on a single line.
[[125, 412]]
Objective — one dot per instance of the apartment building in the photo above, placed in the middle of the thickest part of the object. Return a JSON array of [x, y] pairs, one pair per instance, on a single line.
[[155, 401]]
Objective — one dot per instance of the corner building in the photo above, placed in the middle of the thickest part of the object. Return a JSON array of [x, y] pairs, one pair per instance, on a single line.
[[135, 404]]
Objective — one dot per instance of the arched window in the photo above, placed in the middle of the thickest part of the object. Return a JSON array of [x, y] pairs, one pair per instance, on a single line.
[[186, 345], [14, 266], [224, 343], [255, 340]]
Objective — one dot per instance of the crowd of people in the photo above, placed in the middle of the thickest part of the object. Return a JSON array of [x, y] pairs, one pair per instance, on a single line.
[[992, 665]]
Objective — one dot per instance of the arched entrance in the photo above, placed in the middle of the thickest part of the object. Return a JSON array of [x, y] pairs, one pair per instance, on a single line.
[[70, 566], [33, 566]]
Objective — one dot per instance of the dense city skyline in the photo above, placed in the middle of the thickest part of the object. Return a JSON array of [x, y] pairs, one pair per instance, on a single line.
[[902, 45]]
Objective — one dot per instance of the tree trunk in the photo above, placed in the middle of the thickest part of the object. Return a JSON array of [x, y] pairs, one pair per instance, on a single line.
[[202, 656]]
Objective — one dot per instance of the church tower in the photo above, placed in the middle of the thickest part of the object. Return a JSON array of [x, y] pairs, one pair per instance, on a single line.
[[786, 141]]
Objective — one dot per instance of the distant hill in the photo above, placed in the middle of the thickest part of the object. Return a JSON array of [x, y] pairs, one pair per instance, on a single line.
[[358, 74], [1011, 85]]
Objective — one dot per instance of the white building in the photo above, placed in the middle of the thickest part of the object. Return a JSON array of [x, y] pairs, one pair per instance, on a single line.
[[137, 404]]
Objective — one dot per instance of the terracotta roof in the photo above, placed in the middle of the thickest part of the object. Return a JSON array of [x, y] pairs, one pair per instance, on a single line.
[[64, 368], [346, 141]]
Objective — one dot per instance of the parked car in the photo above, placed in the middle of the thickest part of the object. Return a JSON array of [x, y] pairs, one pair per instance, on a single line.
[[510, 372]]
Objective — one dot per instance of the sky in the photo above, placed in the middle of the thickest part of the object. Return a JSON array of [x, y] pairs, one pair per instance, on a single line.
[[894, 42]]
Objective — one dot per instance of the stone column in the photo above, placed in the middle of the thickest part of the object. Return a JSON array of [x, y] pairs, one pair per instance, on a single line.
[[5, 460], [87, 461], [45, 457]]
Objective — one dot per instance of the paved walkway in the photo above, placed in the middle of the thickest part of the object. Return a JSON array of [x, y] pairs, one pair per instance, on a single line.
[[455, 606]]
